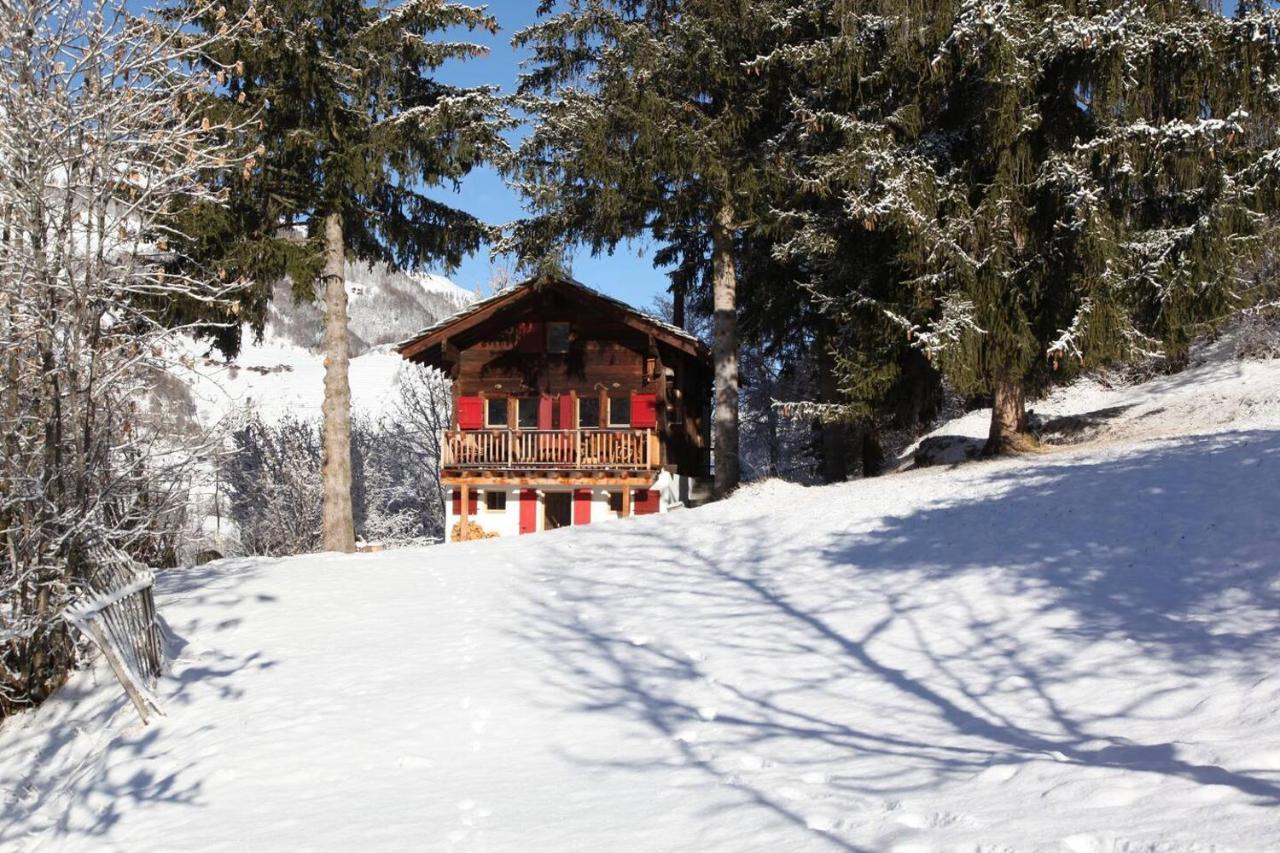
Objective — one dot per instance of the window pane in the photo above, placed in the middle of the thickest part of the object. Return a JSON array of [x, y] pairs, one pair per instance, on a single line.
[[615, 501], [589, 412], [497, 413], [527, 413], [619, 411], [495, 501], [557, 337]]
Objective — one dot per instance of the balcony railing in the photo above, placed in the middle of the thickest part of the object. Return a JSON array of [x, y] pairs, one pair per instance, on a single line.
[[555, 448]]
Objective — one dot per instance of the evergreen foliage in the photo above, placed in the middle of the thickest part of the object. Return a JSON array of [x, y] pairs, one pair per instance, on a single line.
[[648, 124], [347, 118], [1029, 188], [352, 131]]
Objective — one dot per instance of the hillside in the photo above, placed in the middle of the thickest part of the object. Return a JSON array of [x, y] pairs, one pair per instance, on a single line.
[[283, 372], [1073, 650]]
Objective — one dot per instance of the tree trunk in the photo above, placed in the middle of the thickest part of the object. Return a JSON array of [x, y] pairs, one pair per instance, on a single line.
[[339, 524], [1008, 419], [872, 453], [677, 307], [724, 352]]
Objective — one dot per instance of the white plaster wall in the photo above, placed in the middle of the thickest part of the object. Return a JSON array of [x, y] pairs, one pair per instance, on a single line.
[[507, 523]]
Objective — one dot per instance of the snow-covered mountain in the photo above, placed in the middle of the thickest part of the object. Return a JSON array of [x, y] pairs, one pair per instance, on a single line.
[[283, 373], [1067, 651]]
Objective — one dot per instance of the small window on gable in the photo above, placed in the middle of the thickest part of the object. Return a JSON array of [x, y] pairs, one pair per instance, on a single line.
[[496, 413], [588, 412], [527, 413], [558, 337], [619, 411], [495, 501]]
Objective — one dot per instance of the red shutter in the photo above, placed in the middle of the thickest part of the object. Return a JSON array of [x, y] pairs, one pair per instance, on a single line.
[[567, 412], [544, 412], [644, 411], [528, 511], [470, 413], [644, 502], [473, 502], [582, 506], [529, 337]]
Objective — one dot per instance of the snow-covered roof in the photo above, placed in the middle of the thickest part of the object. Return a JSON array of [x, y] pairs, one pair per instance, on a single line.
[[509, 294]]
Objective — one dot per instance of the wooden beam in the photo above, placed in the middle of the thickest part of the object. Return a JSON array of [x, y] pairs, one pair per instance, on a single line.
[[626, 503], [639, 481]]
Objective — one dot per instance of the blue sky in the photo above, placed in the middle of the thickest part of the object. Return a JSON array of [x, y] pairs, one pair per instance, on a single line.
[[629, 273]]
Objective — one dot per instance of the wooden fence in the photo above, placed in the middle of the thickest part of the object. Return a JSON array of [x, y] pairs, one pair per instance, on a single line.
[[118, 614]]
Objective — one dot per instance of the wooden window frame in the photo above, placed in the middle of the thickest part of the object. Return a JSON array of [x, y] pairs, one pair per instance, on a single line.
[[520, 402], [506, 414], [495, 494], [624, 424]]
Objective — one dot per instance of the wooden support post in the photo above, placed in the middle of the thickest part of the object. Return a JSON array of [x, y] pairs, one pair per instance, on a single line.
[[626, 501], [466, 503]]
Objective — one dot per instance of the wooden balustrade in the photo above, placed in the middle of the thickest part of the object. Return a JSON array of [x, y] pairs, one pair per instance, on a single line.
[[563, 448]]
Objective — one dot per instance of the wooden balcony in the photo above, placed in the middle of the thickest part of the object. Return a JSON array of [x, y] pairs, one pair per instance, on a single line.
[[564, 449]]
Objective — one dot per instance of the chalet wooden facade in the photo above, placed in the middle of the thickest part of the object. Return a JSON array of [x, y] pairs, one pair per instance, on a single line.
[[569, 407]]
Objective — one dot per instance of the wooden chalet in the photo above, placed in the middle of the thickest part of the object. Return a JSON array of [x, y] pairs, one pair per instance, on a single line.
[[569, 407]]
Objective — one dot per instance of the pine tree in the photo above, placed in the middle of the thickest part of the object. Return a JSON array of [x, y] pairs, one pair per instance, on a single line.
[[1061, 185], [649, 124], [352, 131]]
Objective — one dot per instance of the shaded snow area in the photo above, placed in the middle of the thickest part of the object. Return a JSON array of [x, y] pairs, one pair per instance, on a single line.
[[1071, 651], [1217, 392]]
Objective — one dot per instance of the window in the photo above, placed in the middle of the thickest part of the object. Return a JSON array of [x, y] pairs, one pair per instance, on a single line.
[[619, 411], [495, 501], [589, 413], [615, 502], [527, 413], [557, 337], [496, 413]]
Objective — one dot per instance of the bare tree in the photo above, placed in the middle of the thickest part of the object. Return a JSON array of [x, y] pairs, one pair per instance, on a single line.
[[102, 135]]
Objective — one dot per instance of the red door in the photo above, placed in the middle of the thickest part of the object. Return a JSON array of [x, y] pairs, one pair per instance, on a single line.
[[528, 511], [581, 506]]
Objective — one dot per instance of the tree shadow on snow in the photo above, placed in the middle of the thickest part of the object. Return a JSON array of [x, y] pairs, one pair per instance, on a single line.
[[61, 770], [785, 649]]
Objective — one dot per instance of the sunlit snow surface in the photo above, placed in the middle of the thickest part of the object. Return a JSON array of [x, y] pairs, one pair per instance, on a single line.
[[1069, 651]]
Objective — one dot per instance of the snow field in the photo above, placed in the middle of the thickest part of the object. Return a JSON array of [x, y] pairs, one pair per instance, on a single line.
[[1070, 651]]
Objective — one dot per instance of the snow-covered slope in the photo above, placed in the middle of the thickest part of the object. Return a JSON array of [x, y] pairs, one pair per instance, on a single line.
[[1217, 392], [283, 373], [1072, 651]]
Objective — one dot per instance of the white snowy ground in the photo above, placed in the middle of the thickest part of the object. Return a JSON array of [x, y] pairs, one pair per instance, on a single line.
[[1071, 651]]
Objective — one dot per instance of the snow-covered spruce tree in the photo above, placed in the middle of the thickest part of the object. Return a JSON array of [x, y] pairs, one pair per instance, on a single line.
[[648, 124], [1063, 185], [351, 132], [102, 136]]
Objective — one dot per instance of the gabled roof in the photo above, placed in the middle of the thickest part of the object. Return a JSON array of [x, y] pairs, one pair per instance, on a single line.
[[477, 312]]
